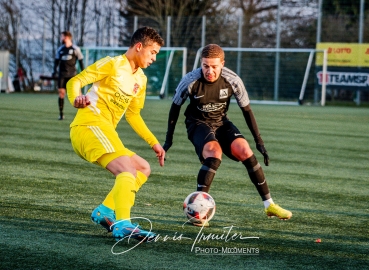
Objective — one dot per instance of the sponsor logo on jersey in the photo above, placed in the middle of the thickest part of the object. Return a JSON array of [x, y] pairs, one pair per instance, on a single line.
[[66, 57], [197, 97], [116, 103], [121, 97], [211, 107], [223, 93], [135, 88]]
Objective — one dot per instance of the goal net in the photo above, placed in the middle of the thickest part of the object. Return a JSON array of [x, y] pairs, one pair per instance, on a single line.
[[169, 68], [276, 76]]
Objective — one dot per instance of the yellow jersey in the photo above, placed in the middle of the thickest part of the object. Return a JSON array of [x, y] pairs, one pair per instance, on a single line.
[[115, 92]]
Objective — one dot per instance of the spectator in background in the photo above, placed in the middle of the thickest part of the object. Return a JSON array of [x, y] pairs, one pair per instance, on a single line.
[[20, 75]]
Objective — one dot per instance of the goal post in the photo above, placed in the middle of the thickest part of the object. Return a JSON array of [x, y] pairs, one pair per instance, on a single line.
[[169, 68], [295, 73], [324, 76]]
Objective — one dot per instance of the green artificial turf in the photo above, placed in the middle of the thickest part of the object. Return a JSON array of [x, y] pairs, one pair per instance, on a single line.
[[319, 168]]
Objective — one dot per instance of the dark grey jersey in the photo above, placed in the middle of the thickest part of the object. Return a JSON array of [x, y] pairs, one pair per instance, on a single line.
[[67, 59], [209, 102]]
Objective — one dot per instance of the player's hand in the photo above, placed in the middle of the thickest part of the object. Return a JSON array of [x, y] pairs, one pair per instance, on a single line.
[[81, 102], [160, 153], [264, 152]]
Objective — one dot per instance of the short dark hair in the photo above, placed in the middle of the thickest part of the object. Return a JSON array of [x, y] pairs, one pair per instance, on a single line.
[[67, 34], [212, 51], [146, 35]]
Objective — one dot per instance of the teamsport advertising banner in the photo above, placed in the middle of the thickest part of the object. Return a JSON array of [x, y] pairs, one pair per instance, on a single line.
[[344, 78], [348, 65]]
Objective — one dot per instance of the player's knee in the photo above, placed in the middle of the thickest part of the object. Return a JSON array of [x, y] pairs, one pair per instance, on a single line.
[[241, 150], [242, 155], [146, 171], [145, 168], [120, 165], [212, 149], [120, 169], [212, 154], [61, 92]]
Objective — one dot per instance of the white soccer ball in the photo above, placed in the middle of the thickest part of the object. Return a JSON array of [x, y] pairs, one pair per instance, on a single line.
[[199, 207]]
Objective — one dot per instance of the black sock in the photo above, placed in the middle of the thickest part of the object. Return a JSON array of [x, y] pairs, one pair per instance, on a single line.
[[61, 106], [257, 177], [207, 173]]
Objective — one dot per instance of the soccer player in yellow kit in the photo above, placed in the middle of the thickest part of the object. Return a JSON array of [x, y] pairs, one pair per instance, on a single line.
[[118, 88]]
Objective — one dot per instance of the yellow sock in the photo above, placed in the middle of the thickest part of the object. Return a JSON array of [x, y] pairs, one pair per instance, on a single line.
[[109, 200], [124, 192], [140, 180]]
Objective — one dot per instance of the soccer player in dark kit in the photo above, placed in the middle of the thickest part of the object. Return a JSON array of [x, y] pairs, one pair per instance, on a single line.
[[66, 58], [210, 88]]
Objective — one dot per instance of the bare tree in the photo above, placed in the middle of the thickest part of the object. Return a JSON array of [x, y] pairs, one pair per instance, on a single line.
[[186, 17], [53, 12], [110, 22], [260, 17], [42, 22], [82, 24], [10, 27]]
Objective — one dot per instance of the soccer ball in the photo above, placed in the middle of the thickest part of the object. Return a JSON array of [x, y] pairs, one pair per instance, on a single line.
[[199, 207]]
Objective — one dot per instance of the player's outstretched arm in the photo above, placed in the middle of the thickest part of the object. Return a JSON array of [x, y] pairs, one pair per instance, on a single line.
[[252, 125], [135, 120], [172, 121]]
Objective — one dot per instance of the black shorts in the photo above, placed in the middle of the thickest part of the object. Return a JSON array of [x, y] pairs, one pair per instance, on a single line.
[[201, 133], [62, 82]]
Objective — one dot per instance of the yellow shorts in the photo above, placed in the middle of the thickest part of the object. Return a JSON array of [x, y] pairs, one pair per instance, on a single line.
[[98, 144]]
